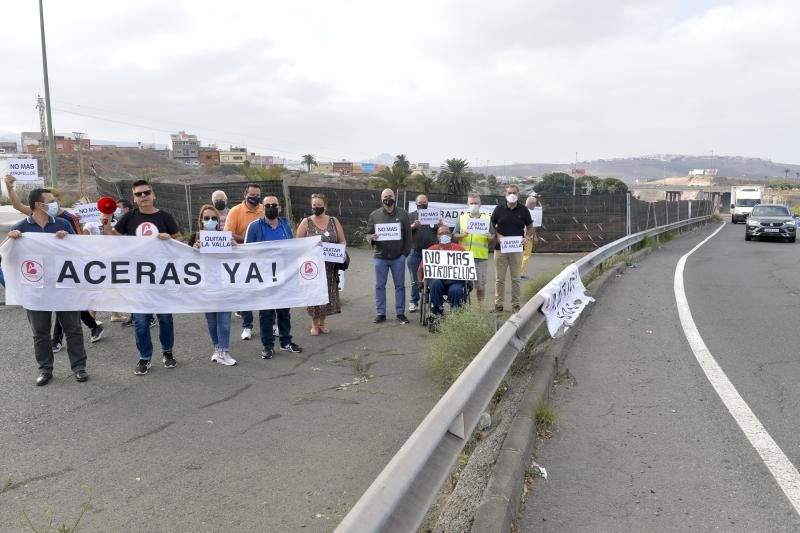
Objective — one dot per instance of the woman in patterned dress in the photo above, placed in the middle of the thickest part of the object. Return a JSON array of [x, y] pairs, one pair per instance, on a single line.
[[326, 226]]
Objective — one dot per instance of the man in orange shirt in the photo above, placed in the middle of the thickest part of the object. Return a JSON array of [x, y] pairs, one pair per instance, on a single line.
[[239, 217], [437, 287]]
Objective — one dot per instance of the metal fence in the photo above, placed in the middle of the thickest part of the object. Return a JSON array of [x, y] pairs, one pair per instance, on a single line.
[[400, 496]]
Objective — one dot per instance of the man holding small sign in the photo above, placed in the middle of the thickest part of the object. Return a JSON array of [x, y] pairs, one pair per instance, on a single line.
[[389, 232], [474, 232], [424, 222], [514, 228], [447, 267]]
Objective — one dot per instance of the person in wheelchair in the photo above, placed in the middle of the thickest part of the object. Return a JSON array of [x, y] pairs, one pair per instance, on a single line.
[[438, 287]]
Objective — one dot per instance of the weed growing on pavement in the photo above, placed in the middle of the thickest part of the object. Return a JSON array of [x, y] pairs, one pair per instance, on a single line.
[[716, 219], [546, 418], [461, 335], [669, 235], [650, 242], [63, 528]]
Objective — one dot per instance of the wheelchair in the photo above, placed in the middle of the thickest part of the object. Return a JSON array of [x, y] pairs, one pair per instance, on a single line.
[[426, 316]]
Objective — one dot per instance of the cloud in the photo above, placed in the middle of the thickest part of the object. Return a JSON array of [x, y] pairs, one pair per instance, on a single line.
[[511, 80]]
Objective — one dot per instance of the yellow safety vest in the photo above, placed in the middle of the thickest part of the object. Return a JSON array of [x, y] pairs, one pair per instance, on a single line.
[[477, 244]]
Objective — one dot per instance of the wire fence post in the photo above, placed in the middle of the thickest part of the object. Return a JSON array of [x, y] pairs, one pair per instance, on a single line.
[[187, 194], [628, 229]]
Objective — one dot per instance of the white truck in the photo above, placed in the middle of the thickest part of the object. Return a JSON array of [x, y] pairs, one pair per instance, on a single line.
[[743, 198]]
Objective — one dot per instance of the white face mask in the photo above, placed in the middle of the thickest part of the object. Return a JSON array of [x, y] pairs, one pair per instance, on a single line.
[[52, 209], [118, 212], [444, 239], [512, 198], [474, 208]]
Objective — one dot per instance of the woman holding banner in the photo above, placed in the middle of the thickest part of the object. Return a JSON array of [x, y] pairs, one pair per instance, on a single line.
[[331, 231], [219, 324]]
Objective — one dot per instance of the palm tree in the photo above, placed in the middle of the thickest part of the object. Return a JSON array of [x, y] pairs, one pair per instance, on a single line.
[[786, 173], [309, 161], [455, 177], [402, 162], [395, 177]]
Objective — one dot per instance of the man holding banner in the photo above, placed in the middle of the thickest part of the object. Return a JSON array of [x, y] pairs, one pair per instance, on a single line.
[[514, 228], [147, 221], [423, 235], [445, 272], [390, 234], [474, 232]]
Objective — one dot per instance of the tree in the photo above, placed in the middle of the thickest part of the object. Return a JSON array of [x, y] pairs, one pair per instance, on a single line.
[[395, 177], [454, 177], [491, 183], [554, 183], [309, 161], [420, 182], [402, 162]]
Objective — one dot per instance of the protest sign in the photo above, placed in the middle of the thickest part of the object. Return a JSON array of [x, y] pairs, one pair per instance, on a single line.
[[510, 245], [136, 275], [333, 253], [23, 169], [430, 216], [564, 299], [215, 242], [87, 212], [450, 212], [478, 226], [536, 216], [389, 231], [448, 264]]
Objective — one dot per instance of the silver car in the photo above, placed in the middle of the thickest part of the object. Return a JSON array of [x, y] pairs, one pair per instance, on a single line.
[[771, 221]]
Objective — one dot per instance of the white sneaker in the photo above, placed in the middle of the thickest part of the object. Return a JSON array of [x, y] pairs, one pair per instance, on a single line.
[[227, 359], [412, 308], [215, 355], [247, 334], [275, 332]]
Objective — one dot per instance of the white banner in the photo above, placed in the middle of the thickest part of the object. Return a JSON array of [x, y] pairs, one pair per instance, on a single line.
[[144, 275], [87, 212], [215, 242], [510, 245], [23, 169], [451, 212], [564, 299], [448, 264]]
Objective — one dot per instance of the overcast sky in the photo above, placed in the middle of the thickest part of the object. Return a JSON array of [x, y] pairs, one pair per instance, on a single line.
[[500, 80]]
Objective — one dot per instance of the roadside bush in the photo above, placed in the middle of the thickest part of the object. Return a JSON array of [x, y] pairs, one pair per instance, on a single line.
[[461, 335]]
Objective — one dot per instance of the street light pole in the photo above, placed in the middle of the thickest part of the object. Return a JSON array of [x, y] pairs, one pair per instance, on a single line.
[[51, 144]]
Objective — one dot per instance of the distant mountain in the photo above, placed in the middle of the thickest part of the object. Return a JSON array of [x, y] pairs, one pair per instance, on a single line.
[[656, 167]]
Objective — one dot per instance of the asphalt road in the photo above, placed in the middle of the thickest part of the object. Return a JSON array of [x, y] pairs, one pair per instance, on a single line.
[[644, 443], [281, 445]]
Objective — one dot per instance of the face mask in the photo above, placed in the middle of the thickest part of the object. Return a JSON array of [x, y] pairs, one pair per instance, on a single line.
[[388, 202], [118, 212], [219, 205], [253, 200], [474, 208], [272, 213], [318, 210], [210, 224], [422, 206], [512, 198], [52, 209], [444, 239]]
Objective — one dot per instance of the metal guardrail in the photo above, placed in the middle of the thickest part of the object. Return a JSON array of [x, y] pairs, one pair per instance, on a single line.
[[403, 492]]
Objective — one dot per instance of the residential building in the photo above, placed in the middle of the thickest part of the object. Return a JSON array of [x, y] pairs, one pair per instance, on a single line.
[[343, 168], [8, 148], [185, 148], [209, 156], [30, 141], [261, 161], [322, 168], [68, 145], [234, 156]]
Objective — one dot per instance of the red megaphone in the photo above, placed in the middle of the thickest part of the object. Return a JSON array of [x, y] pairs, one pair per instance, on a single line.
[[106, 205]]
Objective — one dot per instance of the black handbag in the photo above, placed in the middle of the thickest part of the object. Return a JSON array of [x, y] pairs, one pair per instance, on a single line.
[[345, 265]]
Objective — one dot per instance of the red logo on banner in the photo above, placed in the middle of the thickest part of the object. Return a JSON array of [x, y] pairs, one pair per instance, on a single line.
[[32, 271], [147, 229], [309, 270]]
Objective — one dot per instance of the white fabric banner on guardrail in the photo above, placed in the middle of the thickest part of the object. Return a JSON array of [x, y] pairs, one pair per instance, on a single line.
[[564, 299], [143, 275]]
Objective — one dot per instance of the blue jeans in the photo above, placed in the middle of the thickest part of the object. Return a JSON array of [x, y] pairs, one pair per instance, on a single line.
[[141, 329], [455, 293], [382, 267], [413, 261], [266, 319], [219, 328], [247, 319]]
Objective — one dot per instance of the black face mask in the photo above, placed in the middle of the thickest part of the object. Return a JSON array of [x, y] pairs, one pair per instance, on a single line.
[[219, 205], [422, 206], [271, 213], [318, 210], [253, 200], [388, 202]]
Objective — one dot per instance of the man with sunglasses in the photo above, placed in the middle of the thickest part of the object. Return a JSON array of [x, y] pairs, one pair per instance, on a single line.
[[272, 227], [146, 220]]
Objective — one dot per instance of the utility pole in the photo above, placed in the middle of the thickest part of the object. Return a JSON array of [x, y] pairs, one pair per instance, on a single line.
[[50, 136], [40, 107], [78, 138], [575, 174]]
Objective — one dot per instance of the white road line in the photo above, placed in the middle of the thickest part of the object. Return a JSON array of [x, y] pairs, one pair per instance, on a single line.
[[778, 464]]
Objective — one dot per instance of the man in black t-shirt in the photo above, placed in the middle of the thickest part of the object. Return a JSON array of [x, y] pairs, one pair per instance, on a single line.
[[147, 221], [509, 219]]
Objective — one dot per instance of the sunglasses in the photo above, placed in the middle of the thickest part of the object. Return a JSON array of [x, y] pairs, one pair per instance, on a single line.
[[140, 194], [271, 205], [318, 195], [206, 219]]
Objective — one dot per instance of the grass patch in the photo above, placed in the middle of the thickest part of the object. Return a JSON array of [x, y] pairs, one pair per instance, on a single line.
[[461, 335], [47, 525], [535, 284], [650, 242], [546, 418], [716, 219], [670, 235]]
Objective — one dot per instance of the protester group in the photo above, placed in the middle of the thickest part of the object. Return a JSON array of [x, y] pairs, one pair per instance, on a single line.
[[398, 239]]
